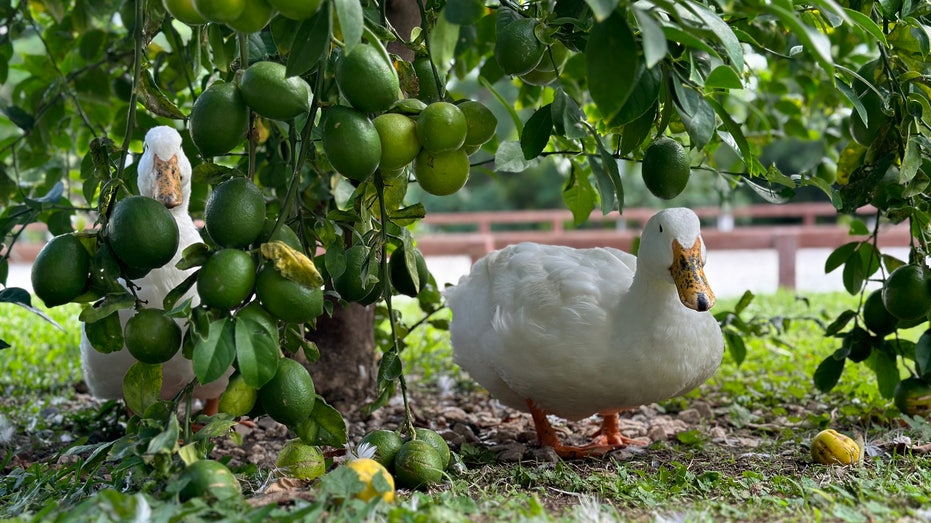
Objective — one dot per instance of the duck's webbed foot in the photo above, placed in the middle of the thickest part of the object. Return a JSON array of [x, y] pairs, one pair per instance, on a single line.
[[608, 438]]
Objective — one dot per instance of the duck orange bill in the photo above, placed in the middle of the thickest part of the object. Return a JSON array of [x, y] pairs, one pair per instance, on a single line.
[[167, 181], [689, 275]]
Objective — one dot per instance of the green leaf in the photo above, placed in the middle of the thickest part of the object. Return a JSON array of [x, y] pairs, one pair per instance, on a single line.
[[840, 322], [537, 132], [853, 274], [351, 22], [257, 352], [911, 161], [818, 45], [745, 300], [214, 354], [334, 259], [720, 29], [602, 8], [155, 100], [166, 442], [652, 37], [828, 373], [637, 131], [311, 42], [568, 117], [886, 368], [106, 306], [328, 428], [923, 355], [867, 24], [389, 369], [105, 334], [644, 96], [464, 12], [610, 55], [723, 77], [604, 167], [839, 256], [696, 113], [735, 346], [579, 196], [510, 158], [178, 292], [15, 295], [142, 386]]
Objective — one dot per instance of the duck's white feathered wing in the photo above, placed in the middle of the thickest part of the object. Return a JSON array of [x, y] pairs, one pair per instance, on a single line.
[[521, 314]]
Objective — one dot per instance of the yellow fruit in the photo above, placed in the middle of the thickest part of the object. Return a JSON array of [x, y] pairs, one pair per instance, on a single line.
[[386, 443], [142, 233], [351, 142], [426, 81], [226, 279], [151, 337], [208, 479], [399, 143], [832, 448], [268, 92], [289, 396], [239, 398], [254, 17], [301, 461], [418, 464], [913, 397], [235, 213], [220, 11], [517, 49], [441, 174], [481, 122], [184, 11], [401, 276], [60, 271], [875, 316], [906, 292], [219, 119], [367, 469], [665, 168], [296, 9], [287, 300], [442, 127], [366, 79], [437, 441]]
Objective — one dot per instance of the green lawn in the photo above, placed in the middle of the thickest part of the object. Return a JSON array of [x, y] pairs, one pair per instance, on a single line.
[[767, 406]]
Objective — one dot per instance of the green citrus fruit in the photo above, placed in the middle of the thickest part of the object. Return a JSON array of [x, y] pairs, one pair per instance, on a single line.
[[349, 284], [220, 11], [538, 77], [665, 168], [399, 143], [366, 470], [239, 398], [296, 9], [517, 49], [437, 441], [284, 234], [256, 313], [441, 174], [226, 278], [289, 396], [875, 316], [235, 213], [386, 443], [367, 80], [423, 70], [481, 122], [285, 299], [142, 233], [864, 132], [913, 397], [418, 464], [401, 276], [254, 17], [268, 92], [208, 479], [906, 292], [183, 10], [351, 142], [442, 127], [151, 337], [301, 461], [219, 119], [60, 271], [553, 58]]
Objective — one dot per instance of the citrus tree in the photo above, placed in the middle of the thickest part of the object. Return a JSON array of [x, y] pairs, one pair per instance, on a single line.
[[306, 122]]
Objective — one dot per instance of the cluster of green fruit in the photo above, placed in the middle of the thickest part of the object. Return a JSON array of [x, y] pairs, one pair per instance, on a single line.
[[415, 462], [220, 116], [519, 52], [245, 16], [436, 138]]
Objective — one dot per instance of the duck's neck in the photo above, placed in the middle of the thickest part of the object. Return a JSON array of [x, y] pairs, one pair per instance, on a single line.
[[648, 298]]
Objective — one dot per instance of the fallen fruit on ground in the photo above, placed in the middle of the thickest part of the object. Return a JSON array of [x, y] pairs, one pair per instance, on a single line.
[[208, 479], [142, 233], [378, 481], [665, 168], [418, 464], [60, 272], [235, 213], [830, 447], [151, 337], [437, 441], [289, 396], [913, 397], [301, 461], [386, 443]]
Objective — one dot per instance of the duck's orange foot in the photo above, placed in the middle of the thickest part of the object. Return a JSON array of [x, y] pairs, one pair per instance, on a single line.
[[610, 435], [607, 438]]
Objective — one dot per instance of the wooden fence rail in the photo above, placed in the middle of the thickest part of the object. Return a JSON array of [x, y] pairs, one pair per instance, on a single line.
[[783, 228]]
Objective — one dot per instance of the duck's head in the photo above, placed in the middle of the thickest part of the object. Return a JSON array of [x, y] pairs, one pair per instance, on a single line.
[[164, 170], [671, 249]]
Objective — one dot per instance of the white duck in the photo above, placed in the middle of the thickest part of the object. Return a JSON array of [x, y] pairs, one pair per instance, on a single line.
[[164, 173], [555, 330]]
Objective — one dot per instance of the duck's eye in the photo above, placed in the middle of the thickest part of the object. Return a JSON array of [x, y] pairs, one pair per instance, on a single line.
[[660, 227]]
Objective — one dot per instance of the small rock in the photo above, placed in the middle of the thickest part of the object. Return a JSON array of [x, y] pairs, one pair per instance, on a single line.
[[704, 410], [717, 433], [656, 433], [690, 416], [509, 452], [545, 454], [454, 415], [465, 432]]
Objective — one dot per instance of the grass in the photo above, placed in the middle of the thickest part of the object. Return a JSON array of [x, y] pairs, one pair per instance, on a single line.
[[760, 470]]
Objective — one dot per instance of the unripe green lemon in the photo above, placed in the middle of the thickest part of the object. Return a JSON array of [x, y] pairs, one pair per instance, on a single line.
[[301, 461], [665, 168], [418, 464], [442, 127], [906, 292], [208, 479], [219, 119], [481, 123], [400, 274], [220, 11], [399, 143], [239, 398], [437, 441], [366, 79], [517, 49], [296, 9], [286, 299], [254, 17], [184, 11], [875, 316], [142, 233], [386, 443], [441, 174], [151, 337], [226, 279], [269, 93], [290, 395], [913, 397], [351, 142], [235, 213], [60, 271]]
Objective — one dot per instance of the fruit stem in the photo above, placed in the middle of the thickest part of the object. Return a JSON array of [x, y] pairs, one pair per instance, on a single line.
[[440, 88], [106, 199], [243, 39], [392, 319]]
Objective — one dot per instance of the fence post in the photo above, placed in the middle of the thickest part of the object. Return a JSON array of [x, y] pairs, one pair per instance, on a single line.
[[786, 248]]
